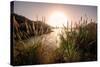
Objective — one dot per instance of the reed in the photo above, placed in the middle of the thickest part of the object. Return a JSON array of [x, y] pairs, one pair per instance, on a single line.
[[26, 53], [80, 42]]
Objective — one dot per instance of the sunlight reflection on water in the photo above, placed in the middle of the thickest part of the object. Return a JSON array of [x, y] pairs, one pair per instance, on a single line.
[[53, 38]]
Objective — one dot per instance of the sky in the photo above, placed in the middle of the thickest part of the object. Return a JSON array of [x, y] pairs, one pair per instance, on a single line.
[[73, 13]]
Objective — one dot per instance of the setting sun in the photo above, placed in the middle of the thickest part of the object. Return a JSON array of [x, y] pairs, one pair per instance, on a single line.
[[50, 33], [57, 19]]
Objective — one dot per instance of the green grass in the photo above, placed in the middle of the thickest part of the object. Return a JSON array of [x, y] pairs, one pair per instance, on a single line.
[[80, 43], [77, 44], [68, 48], [87, 40]]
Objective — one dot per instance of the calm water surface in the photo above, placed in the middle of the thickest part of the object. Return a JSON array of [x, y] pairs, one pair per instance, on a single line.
[[50, 42]]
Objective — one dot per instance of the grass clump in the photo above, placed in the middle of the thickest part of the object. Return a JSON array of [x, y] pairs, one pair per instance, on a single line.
[[87, 40], [69, 51], [79, 43], [26, 53]]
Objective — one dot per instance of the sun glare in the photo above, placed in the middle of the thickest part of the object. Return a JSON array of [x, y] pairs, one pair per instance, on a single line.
[[57, 19]]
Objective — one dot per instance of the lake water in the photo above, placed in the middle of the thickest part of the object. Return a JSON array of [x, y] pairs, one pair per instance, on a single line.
[[50, 42], [51, 39]]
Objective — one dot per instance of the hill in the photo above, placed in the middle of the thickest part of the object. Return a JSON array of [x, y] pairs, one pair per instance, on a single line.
[[24, 28]]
